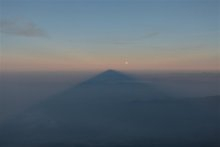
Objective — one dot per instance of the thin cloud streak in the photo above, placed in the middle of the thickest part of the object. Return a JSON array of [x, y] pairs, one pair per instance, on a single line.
[[136, 39], [124, 39], [21, 28]]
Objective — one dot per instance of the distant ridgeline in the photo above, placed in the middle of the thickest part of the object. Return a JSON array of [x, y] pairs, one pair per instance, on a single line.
[[113, 109]]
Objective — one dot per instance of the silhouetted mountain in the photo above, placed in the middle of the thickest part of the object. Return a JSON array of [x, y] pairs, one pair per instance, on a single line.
[[108, 77], [113, 109]]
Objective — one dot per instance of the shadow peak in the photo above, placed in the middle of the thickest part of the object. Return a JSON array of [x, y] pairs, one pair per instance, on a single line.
[[110, 76]]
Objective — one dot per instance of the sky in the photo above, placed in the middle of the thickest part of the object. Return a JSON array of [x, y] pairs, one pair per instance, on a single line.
[[69, 35]]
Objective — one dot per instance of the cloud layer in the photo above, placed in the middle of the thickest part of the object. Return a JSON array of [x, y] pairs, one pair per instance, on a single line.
[[21, 28]]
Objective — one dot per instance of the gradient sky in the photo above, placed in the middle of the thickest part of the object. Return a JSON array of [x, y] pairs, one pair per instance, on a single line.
[[60, 35]]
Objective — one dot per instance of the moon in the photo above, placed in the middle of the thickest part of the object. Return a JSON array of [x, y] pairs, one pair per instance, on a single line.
[[126, 62]]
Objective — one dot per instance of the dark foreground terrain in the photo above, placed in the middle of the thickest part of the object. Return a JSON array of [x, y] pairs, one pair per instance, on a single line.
[[115, 110]]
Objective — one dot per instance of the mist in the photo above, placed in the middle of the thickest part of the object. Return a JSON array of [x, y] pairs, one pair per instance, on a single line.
[[19, 91], [109, 108]]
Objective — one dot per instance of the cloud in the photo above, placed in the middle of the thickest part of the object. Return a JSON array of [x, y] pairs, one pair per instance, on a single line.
[[120, 39], [149, 35], [137, 39], [21, 28]]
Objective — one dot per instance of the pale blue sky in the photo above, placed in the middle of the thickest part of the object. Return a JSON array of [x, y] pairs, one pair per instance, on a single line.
[[111, 32]]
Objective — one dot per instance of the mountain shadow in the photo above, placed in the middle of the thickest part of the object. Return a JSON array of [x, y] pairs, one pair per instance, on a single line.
[[114, 109]]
